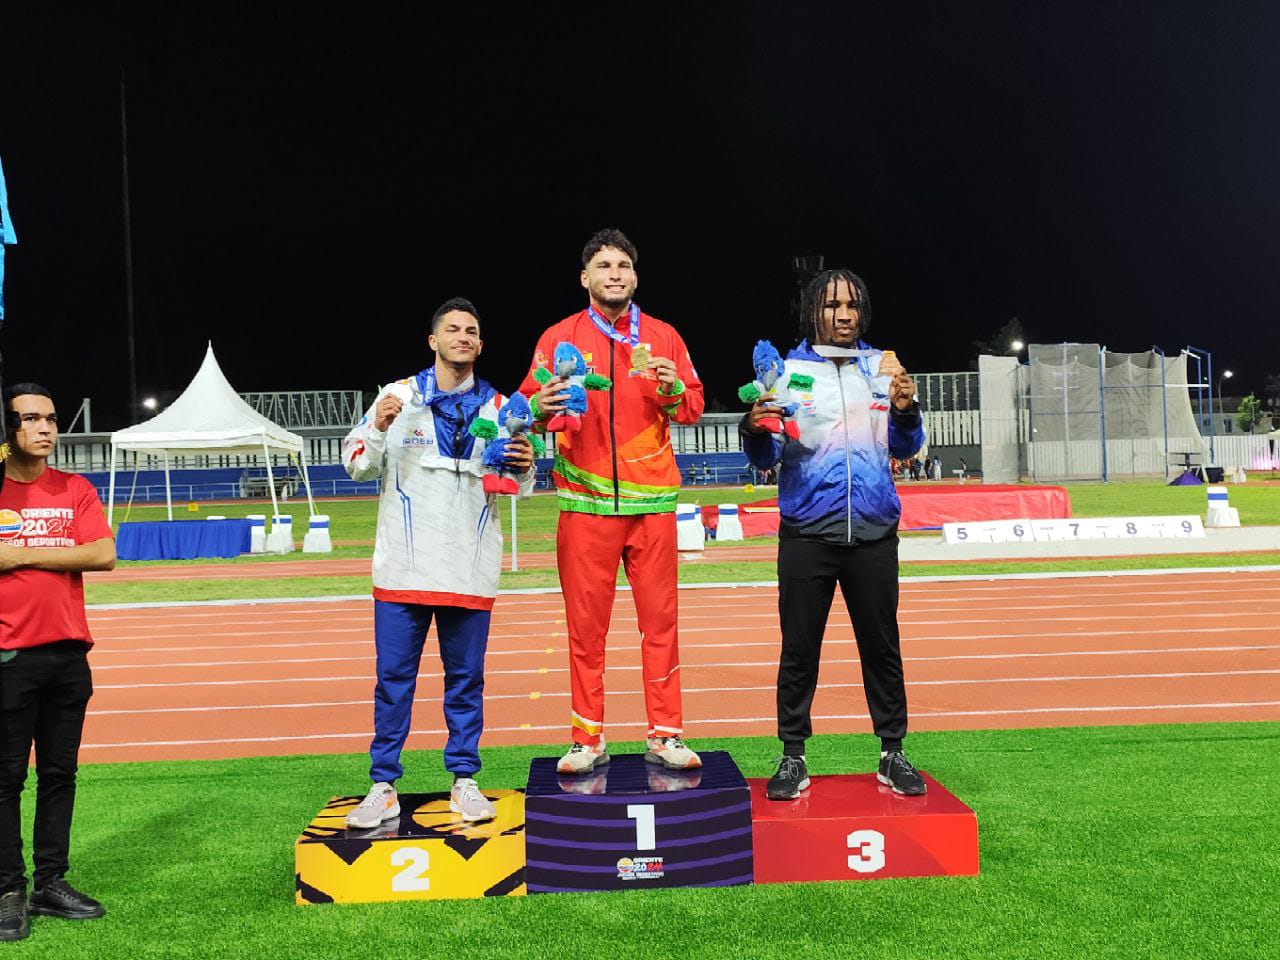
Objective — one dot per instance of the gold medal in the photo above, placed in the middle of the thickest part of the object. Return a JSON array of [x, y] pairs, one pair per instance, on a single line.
[[889, 362], [640, 358]]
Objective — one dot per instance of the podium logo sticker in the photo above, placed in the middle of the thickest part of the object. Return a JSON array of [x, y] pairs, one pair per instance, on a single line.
[[10, 525], [640, 868]]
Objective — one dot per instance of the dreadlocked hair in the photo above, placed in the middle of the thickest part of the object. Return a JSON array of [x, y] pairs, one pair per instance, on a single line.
[[815, 295]]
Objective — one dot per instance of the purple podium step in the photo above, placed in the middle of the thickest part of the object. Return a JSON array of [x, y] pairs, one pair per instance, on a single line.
[[632, 824]]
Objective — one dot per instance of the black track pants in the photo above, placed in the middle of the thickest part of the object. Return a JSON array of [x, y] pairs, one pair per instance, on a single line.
[[868, 576]]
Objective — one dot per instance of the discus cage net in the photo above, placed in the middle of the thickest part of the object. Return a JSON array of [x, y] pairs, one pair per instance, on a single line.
[[1078, 411]]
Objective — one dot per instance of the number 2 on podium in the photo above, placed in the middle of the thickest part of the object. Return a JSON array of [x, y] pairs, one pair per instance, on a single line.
[[416, 862], [869, 847], [646, 835]]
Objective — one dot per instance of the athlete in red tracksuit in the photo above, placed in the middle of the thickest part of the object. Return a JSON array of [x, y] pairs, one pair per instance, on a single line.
[[617, 482]]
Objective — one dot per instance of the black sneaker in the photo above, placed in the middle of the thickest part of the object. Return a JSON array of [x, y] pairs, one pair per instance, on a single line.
[[57, 898], [896, 771], [13, 916], [791, 778]]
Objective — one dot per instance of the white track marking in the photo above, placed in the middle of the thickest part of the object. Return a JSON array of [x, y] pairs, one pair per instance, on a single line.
[[366, 735], [759, 688]]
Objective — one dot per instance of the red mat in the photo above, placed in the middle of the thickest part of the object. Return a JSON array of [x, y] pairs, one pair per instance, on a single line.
[[927, 506]]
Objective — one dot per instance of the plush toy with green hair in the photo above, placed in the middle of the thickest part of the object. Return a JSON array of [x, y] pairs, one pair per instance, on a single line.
[[570, 366], [515, 418], [768, 386]]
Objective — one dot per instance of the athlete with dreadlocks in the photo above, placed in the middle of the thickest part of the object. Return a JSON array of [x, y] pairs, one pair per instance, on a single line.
[[839, 518]]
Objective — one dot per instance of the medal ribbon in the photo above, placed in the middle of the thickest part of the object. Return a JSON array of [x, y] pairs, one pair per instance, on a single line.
[[608, 330]]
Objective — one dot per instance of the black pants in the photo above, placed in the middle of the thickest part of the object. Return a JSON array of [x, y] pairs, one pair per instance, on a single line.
[[43, 695], [868, 576]]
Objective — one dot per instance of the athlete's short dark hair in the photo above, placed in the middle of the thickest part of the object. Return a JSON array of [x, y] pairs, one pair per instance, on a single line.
[[815, 295], [609, 238], [455, 303]]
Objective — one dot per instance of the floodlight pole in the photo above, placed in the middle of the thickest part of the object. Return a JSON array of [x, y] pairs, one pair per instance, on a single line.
[[1102, 406], [1200, 385], [1164, 408]]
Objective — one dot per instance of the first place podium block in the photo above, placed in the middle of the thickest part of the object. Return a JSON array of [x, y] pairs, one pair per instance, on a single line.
[[427, 853], [632, 824], [852, 827]]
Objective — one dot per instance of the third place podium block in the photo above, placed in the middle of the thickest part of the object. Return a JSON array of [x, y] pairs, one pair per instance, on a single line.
[[852, 827], [632, 824]]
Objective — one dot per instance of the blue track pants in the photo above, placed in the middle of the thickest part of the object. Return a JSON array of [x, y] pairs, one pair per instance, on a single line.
[[400, 630]]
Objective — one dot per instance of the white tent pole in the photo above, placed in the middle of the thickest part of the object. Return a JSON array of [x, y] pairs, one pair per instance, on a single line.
[[111, 487], [306, 477], [168, 493], [271, 483]]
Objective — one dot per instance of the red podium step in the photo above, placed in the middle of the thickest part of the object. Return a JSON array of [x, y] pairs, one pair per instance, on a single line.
[[851, 827]]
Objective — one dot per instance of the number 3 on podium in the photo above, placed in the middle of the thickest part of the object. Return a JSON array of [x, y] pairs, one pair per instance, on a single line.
[[416, 862], [869, 847]]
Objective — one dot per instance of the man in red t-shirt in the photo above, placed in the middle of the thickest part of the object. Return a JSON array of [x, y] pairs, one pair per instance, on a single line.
[[52, 529]]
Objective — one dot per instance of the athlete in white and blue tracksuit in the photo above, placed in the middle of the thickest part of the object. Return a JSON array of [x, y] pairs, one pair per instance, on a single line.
[[437, 556], [839, 521]]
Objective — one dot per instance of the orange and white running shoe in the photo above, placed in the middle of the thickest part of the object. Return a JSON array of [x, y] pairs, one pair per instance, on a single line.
[[583, 759], [672, 754], [381, 804]]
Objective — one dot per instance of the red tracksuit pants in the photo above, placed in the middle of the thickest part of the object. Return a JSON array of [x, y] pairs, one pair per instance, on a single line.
[[588, 550]]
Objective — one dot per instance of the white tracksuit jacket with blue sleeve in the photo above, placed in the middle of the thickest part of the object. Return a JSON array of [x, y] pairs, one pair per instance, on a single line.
[[439, 540]]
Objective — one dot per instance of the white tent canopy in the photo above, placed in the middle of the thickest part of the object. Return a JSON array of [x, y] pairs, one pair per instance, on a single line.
[[208, 417]]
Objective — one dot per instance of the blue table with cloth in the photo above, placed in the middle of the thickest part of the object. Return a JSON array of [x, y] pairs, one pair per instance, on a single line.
[[182, 539]]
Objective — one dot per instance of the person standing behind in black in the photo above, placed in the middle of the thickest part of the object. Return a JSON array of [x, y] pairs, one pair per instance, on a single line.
[[52, 529], [839, 519]]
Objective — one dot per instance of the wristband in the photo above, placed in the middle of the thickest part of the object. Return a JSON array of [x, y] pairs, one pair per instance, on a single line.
[[677, 389]]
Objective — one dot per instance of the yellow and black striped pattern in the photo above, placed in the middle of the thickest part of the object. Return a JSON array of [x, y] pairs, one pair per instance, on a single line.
[[427, 853]]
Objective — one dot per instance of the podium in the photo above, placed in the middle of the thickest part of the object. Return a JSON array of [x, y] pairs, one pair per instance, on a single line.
[[427, 853], [632, 824], [852, 827]]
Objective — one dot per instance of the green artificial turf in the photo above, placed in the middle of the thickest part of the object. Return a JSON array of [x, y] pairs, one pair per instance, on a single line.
[[1125, 842]]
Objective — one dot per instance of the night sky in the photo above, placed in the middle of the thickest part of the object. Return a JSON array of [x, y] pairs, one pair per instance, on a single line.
[[306, 190]]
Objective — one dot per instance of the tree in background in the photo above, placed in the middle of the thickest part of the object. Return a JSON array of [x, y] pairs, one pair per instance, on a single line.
[[1000, 344], [1250, 413]]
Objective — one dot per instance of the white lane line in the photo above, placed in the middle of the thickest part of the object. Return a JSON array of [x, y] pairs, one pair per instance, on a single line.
[[556, 647], [1209, 574], [1028, 711], [760, 688], [628, 668]]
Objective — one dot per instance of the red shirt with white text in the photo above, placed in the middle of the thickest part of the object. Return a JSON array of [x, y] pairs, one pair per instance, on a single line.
[[55, 510]]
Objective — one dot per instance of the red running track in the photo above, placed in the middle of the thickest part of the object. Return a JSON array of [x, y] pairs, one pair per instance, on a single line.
[[278, 678]]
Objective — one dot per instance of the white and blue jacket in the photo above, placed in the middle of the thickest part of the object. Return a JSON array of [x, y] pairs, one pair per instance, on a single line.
[[834, 482], [439, 540]]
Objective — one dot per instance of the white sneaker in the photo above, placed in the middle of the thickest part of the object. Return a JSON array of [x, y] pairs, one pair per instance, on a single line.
[[672, 754], [583, 759], [466, 799], [381, 804]]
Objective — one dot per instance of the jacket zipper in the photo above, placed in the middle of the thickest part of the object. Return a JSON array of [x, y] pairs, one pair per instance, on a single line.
[[848, 466], [613, 439]]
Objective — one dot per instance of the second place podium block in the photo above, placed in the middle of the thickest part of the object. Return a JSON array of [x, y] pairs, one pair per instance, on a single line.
[[633, 824], [426, 853]]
